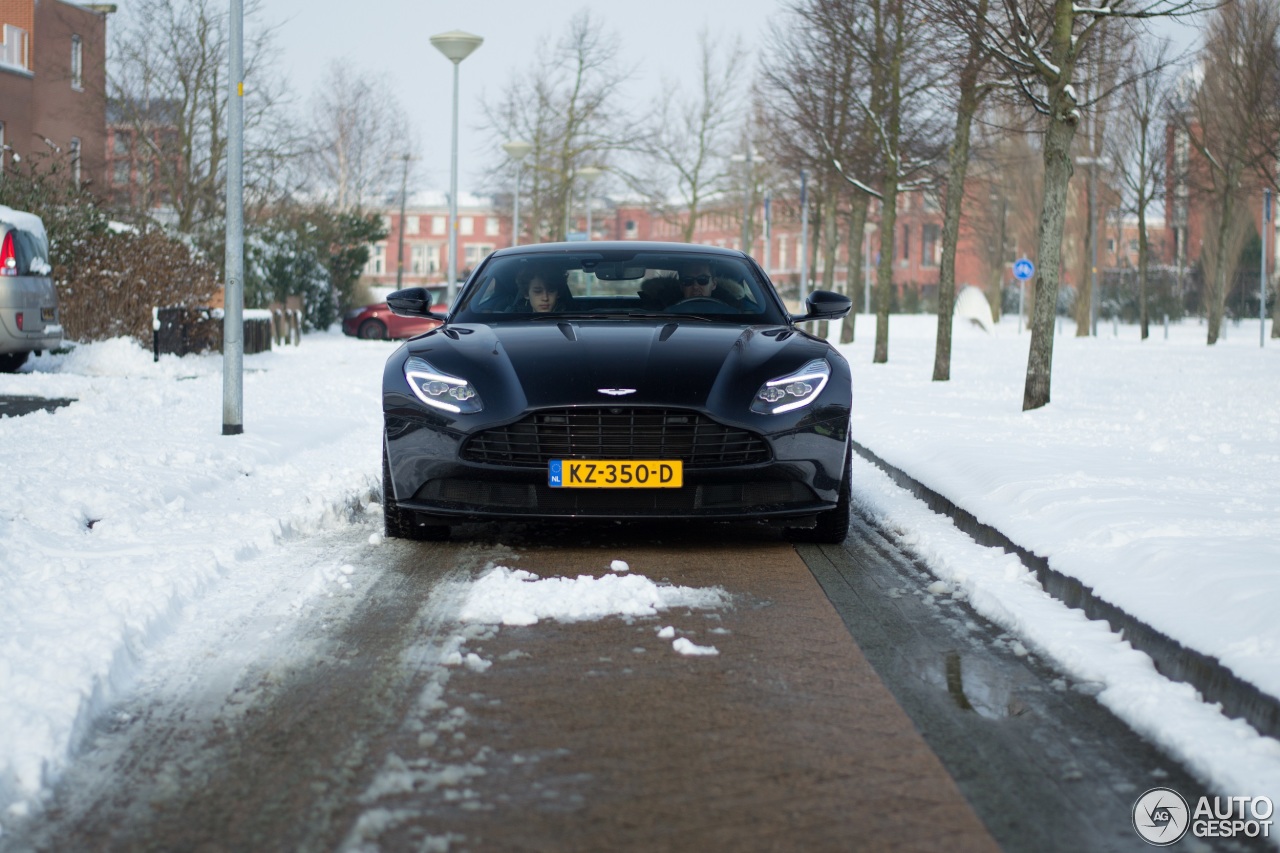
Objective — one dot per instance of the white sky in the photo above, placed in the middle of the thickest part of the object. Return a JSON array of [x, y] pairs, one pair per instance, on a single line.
[[392, 37]]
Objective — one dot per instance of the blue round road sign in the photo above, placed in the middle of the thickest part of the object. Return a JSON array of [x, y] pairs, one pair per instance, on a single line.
[[1023, 269]]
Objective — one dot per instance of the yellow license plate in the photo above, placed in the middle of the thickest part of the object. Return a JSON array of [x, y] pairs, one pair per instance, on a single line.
[[615, 474]]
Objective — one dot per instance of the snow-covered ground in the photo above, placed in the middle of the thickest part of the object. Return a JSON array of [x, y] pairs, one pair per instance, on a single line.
[[1151, 477]]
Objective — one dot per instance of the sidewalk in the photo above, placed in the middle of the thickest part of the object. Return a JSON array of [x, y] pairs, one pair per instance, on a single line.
[[597, 736]]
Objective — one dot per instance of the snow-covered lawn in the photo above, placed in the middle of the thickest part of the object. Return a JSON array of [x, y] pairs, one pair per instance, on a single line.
[[1152, 477]]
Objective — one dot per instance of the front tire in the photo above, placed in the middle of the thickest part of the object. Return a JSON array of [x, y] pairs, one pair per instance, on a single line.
[[401, 524], [372, 330], [831, 526]]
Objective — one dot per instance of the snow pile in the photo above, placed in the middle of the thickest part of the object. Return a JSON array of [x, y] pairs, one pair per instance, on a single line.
[[1151, 476], [129, 503], [504, 596]]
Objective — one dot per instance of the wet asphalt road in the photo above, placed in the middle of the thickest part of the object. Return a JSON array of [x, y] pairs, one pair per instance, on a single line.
[[848, 709], [12, 406]]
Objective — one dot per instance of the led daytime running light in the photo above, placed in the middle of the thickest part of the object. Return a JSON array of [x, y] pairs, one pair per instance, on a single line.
[[440, 390], [801, 388]]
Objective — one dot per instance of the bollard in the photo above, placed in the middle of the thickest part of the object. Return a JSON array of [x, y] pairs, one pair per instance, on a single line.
[[1166, 327]]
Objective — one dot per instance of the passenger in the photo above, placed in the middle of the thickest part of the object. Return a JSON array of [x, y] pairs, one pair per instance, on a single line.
[[543, 293]]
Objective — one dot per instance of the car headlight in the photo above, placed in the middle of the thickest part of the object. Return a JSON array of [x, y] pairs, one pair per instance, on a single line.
[[440, 390], [792, 391]]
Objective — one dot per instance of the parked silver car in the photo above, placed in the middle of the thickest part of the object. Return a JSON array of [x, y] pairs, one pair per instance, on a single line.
[[29, 319]]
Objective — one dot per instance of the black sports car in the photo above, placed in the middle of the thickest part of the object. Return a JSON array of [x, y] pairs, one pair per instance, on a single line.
[[617, 381]]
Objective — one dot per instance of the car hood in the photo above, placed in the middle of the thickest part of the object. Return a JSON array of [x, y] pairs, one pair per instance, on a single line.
[[686, 364]]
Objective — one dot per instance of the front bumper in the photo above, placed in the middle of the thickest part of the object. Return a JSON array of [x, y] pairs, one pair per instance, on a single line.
[[801, 477]]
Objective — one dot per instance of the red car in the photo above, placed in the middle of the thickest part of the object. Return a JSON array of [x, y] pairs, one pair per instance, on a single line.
[[376, 322]]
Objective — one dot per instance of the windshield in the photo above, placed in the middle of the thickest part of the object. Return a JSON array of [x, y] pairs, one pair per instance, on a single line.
[[643, 285]]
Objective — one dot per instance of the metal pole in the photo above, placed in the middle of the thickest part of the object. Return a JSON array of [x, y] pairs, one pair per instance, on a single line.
[[233, 295], [453, 197], [1022, 297], [586, 197], [404, 186], [768, 228], [1262, 273], [746, 205], [1093, 248], [866, 270], [804, 235], [515, 212]]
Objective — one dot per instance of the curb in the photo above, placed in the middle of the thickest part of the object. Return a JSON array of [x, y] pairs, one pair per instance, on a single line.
[[1215, 681]]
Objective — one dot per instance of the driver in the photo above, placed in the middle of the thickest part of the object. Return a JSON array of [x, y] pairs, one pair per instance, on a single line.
[[697, 281]]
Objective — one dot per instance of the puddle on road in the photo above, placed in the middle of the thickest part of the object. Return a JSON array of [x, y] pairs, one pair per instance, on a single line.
[[973, 685]]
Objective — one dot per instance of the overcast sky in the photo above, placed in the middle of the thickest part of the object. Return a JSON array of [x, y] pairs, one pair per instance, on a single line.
[[392, 37]]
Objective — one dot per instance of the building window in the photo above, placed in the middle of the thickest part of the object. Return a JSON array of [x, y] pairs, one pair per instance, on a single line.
[[437, 224], [75, 160], [120, 173], [492, 226], [630, 230], [377, 260], [120, 142], [931, 251], [426, 259], [77, 63], [411, 224], [466, 226], [14, 49], [474, 253], [906, 242]]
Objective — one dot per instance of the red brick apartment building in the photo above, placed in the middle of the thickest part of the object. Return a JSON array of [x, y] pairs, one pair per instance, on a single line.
[[484, 227], [53, 84]]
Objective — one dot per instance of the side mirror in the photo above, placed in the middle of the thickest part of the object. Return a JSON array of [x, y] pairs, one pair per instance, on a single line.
[[412, 302], [824, 305]]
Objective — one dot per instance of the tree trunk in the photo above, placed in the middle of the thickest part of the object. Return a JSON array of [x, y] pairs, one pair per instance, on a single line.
[[956, 168], [1057, 177], [1142, 270], [1218, 281], [884, 272], [857, 272]]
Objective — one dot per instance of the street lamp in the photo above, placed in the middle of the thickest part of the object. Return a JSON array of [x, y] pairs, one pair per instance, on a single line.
[[748, 202], [456, 46], [517, 150], [404, 187], [589, 175]]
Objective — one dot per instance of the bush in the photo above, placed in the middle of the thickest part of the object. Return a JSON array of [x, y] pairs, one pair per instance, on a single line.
[[114, 280]]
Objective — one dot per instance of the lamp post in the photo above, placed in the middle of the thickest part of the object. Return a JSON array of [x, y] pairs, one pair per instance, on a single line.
[[456, 46], [517, 150], [404, 188], [588, 175], [748, 194]]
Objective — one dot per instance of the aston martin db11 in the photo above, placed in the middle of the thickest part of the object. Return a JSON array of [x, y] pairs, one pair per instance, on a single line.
[[617, 381]]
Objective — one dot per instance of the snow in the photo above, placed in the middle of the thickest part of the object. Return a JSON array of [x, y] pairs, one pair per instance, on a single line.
[[1151, 478]]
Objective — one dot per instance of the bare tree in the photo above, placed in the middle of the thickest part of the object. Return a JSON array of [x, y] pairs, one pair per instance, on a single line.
[[1042, 42], [357, 139], [1232, 121], [571, 109], [693, 135], [168, 82], [1137, 149], [971, 62]]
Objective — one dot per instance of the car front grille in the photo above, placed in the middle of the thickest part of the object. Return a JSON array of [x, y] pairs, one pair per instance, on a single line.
[[616, 433]]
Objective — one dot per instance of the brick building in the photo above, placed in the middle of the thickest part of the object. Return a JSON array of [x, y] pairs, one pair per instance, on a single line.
[[53, 84]]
